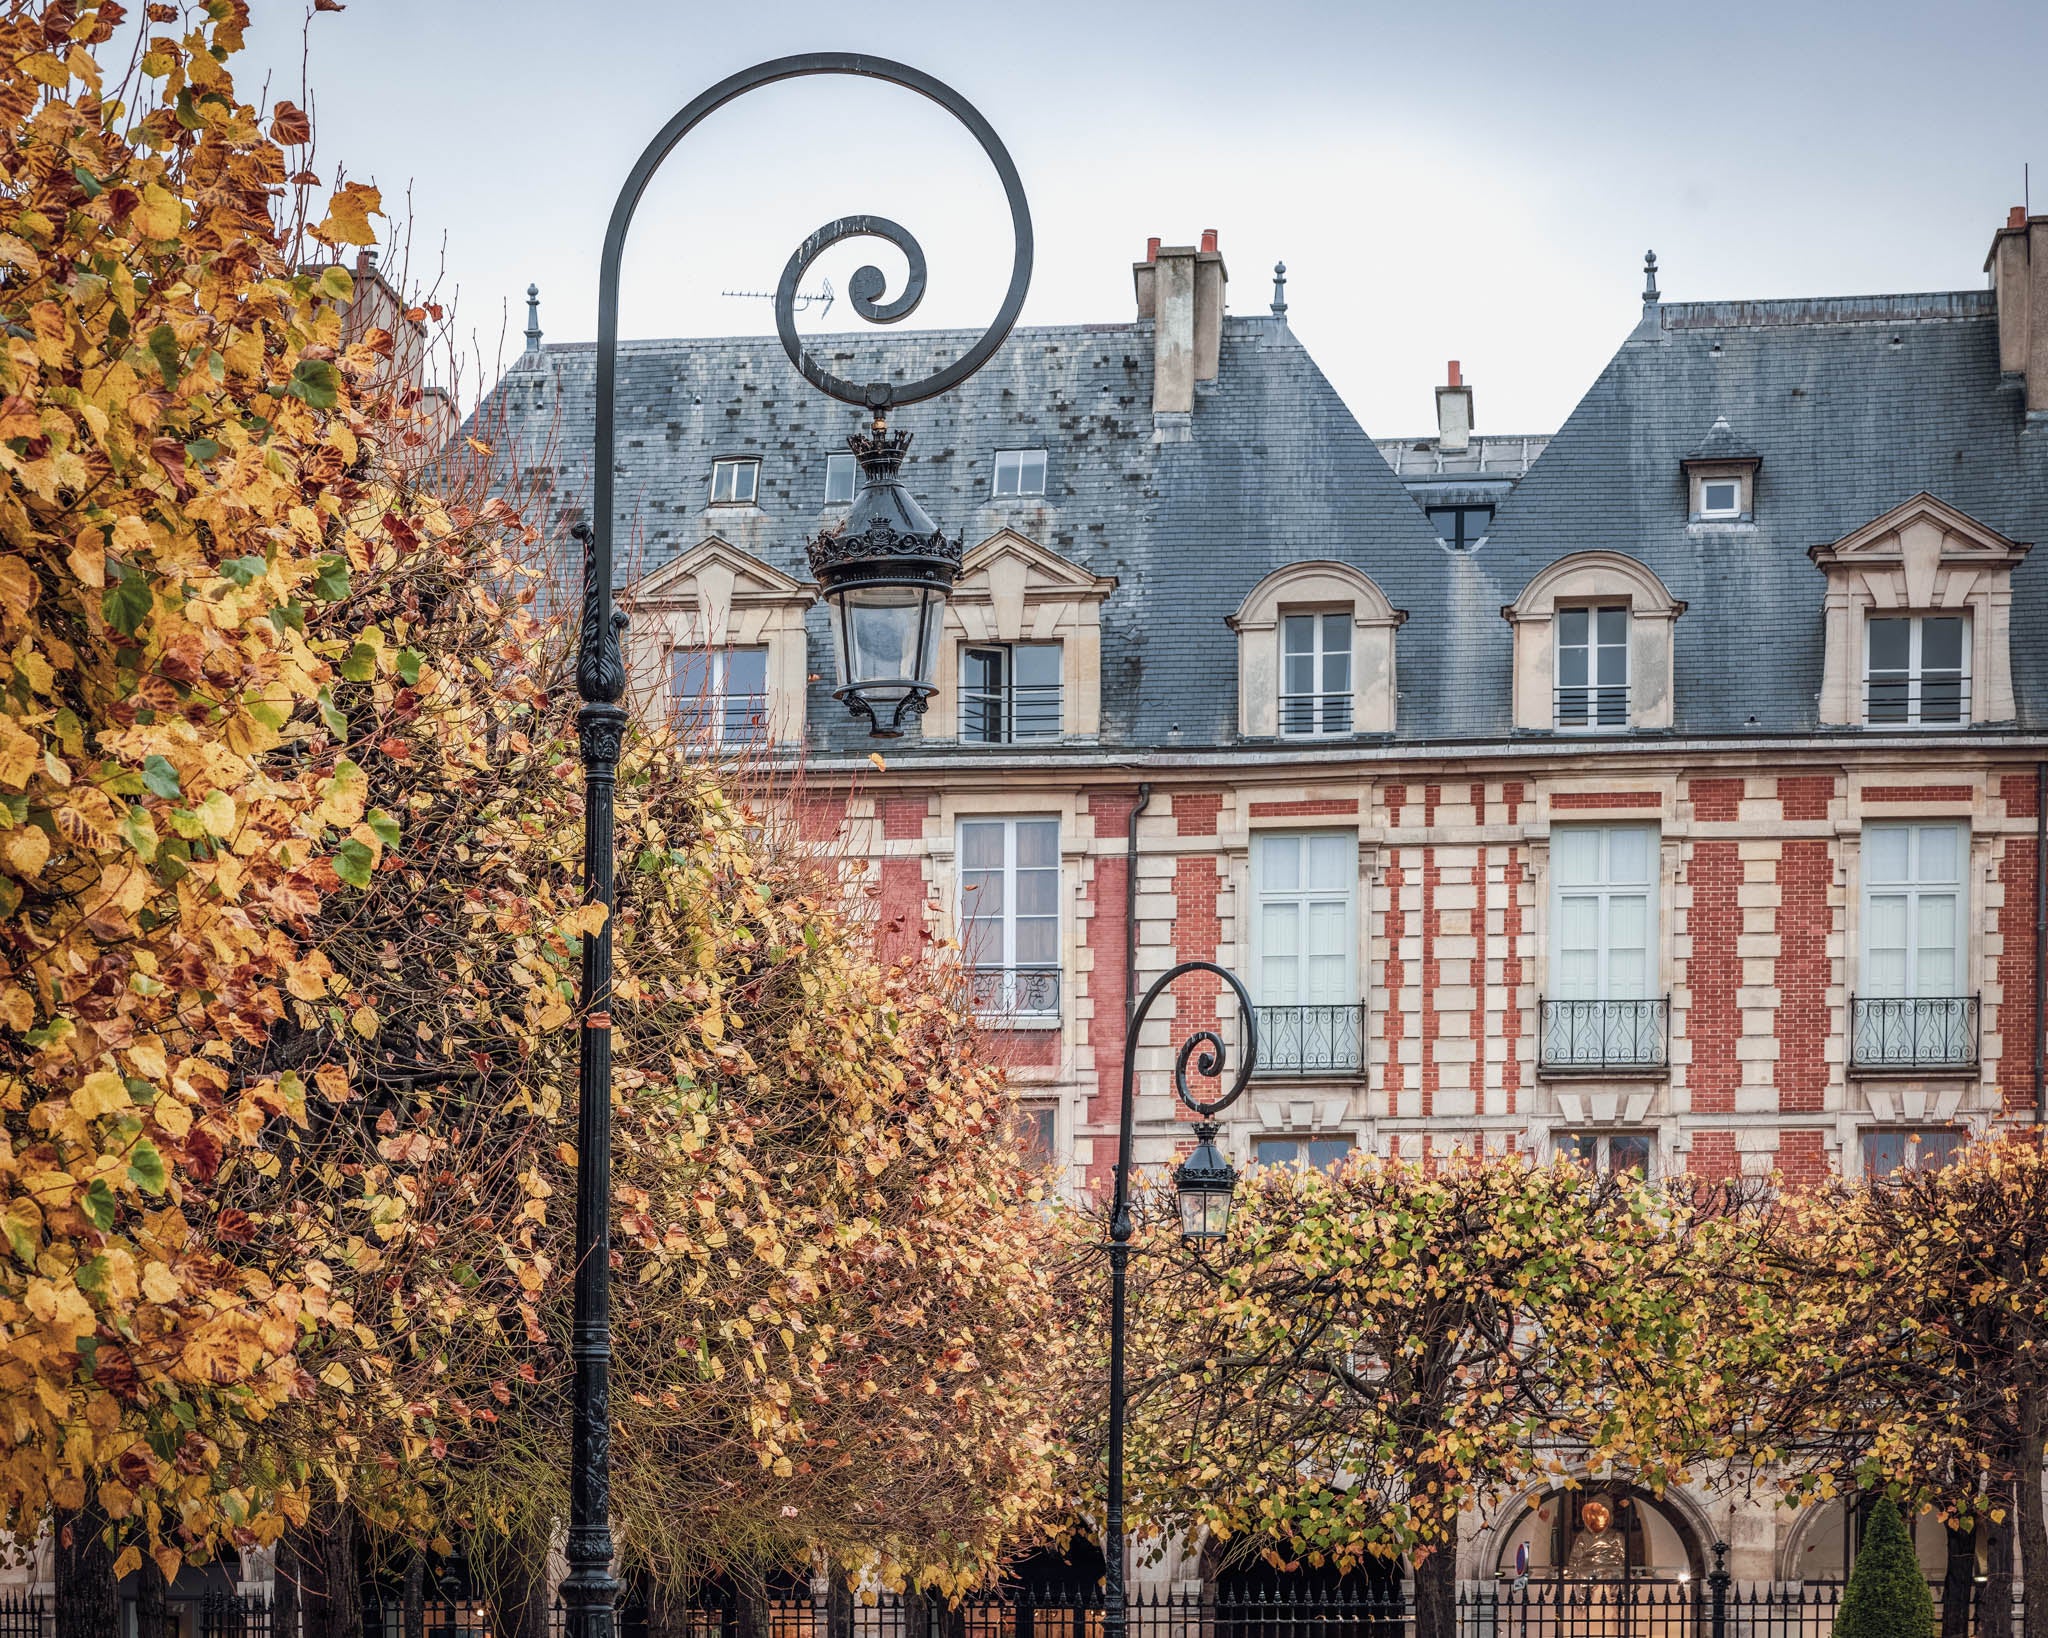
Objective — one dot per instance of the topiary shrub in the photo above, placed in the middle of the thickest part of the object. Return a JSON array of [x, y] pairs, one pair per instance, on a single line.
[[1887, 1596]]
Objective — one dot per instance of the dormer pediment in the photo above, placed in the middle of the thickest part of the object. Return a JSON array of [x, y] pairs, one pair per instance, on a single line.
[[1920, 535], [1008, 561], [715, 573]]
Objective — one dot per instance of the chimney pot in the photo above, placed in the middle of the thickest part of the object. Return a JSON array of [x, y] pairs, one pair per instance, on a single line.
[[1455, 381], [1454, 414], [1209, 241], [1152, 248], [2019, 280], [2016, 217]]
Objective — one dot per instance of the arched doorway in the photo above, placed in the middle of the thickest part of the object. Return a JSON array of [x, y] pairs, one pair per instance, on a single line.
[[1823, 1544], [1605, 1533]]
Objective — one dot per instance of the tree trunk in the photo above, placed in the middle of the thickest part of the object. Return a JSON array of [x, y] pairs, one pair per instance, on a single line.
[[152, 1602], [319, 1559], [1994, 1592], [1958, 1581], [87, 1604], [415, 1614], [838, 1605], [518, 1577], [1436, 1592], [2033, 1542]]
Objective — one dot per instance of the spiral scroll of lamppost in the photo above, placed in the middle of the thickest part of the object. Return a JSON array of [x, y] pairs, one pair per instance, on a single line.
[[1204, 1183], [885, 574]]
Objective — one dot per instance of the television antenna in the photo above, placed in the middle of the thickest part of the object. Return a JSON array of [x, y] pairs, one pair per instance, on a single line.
[[822, 298]]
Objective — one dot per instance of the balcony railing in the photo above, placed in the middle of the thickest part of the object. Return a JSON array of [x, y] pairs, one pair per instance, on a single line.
[[1004, 716], [1006, 994], [1327, 1040], [1930, 700], [1596, 1037], [1311, 714], [1916, 1032], [1586, 707]]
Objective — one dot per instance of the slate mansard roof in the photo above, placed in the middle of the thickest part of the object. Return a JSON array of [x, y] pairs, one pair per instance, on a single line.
[[1852, 406]]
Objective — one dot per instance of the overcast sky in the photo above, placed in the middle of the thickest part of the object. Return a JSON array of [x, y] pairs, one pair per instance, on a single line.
[[1474, 181]]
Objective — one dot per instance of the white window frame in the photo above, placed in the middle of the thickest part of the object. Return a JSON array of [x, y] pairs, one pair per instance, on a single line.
[[1594, 648], [1915, 669], [1005, 701], [1606, 890], [712, 709], [1019, 460], [1302, 898], [1007, 962], [1914, 888], [1332, 710], [729, 466], [1719, 514], [837, 462]]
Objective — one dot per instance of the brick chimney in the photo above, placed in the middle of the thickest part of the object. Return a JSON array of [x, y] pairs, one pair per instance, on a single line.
[[2018, 265], [1180, 288], [1454, 414]]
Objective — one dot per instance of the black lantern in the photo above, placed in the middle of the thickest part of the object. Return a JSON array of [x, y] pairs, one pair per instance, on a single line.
[[1204, 1184], [885, 575]]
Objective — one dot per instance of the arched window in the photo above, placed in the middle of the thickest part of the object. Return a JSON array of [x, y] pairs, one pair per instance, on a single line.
[[1315, 655], [1593, 646]]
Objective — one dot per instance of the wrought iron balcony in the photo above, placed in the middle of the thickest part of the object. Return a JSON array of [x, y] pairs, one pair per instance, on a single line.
[[1307, 715], [1016, 994], [1020, 711], [1592, 707], [1606, 1037], [1918, 1032], [1326, 1040]]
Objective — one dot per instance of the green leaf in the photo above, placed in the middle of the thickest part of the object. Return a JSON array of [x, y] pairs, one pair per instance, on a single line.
[[127, 602], [160, 777], [408, 667], [361, 664], [99, 1203], [146, 1167], [330, 713], [352, 863], [24, 1225], [138, 830], [92, 1273], [163, 347], [87, 181], [330, 582], [336, 284], [316, 381], [202, 449], [384, 826]]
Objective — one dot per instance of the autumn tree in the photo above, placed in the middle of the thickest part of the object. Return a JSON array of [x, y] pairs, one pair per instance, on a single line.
[[1378, 1349]]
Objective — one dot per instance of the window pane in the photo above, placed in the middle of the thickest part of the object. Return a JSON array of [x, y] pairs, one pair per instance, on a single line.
[[1575, 855], [1890, 645], [1038, 941], [721, 480], [1038, 843], [1578, 923], [1940, 853], [1941, 643], [1883, 1153], [1031, 472], [840, 472], [1628, 854], [744, 475], [1885, 852], [1629, 1152], [1037, 664], [1574, 668], [1006, 472], [1572, 626], [692, 677], [1612, 625], [1330, 863], [1038, 892], [1327, 1153], [981, 670], [1038, 1135], [1298, 633], [981, 845], [746, 671], [1280, 863], [1582, 1147], [1276, 1151], [1280, 931], [1717, 497]]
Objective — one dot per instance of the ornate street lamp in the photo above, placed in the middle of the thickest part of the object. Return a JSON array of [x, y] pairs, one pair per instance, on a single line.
[[886, 580], [1204, 1182]]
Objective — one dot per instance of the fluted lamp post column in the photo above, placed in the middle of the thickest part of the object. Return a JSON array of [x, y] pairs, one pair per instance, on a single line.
[[885, 578], [1204, 1185]]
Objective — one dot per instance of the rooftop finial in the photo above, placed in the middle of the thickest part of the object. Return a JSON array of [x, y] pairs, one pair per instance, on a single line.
[[1280, 290], [533, 318], [1649, 277]]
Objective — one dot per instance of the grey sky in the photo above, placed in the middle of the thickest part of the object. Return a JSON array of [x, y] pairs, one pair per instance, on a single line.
[[1476, 181]]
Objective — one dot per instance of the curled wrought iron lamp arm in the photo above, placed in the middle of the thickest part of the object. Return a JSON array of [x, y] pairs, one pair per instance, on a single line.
[[590, 1592]]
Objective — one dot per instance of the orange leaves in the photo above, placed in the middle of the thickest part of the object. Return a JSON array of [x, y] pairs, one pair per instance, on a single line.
[[290, 125], [348, 215]]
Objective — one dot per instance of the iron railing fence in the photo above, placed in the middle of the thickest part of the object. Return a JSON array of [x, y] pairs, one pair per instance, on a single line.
[[25, 1615], [1913, 1032], [1592, 705], [1630, 1036], [1316, 1040], [1003, 716], [1306, 715], [1015, 992]]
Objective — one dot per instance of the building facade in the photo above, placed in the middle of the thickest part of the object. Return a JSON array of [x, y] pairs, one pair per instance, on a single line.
[[1666, 791]]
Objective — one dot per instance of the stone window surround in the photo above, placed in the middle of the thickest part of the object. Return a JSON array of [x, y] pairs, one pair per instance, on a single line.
[[1012, 590], [1315, 586], [1699, 474], [715, 594], [1922, 557], [1592, 578]]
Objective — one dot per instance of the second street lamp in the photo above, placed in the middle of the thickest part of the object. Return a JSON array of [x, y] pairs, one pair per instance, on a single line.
[[886, 581]]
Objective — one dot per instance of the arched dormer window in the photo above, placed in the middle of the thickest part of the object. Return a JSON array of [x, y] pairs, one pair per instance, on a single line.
[[1593, 646], [1315, 655]]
